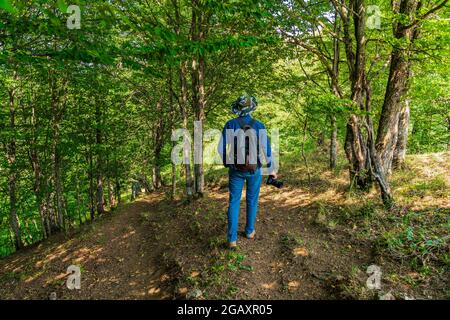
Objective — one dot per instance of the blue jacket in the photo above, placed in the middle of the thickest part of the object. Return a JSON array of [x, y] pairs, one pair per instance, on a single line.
[[234, 124]]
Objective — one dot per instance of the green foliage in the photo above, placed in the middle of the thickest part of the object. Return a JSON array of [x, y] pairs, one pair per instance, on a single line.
[[418, 237]]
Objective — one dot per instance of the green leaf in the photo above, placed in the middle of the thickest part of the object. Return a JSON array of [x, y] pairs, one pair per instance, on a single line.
[[62, 5], [245, 267], [6, 5]]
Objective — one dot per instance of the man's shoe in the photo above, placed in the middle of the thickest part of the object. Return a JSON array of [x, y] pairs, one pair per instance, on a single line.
[[251, 235], [232, 245]]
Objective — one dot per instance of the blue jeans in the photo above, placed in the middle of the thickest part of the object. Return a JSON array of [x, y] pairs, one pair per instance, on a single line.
[[235, 186]]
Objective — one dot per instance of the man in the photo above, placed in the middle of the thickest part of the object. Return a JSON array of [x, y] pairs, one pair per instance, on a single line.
[[245, 136]]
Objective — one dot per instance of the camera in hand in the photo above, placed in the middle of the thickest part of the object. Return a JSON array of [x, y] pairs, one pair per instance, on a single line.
[[274, 182]]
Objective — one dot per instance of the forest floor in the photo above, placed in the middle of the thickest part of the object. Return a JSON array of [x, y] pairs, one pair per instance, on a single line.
[[314, 240]]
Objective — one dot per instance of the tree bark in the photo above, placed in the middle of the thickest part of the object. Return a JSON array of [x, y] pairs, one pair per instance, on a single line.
[[402, 139], [396, 86], [39, 181], [333, 143], [57, 113], [183, 104], [78, 200], [364, 162], [185, 116], [112, 200], [100, 201], [158, 142], [91, 184], [198, 30], [12, 178], [172, 125], [336, 91], [356, 148]]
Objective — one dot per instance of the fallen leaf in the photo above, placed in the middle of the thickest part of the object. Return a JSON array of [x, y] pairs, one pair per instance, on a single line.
[[271, 285], [183, 290], [300, 251]]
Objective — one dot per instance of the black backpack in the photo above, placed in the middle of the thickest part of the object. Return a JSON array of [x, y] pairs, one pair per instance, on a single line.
[[246, 166]]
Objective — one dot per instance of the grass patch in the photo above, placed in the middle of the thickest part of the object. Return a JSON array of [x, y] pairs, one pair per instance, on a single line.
[[420, 238]]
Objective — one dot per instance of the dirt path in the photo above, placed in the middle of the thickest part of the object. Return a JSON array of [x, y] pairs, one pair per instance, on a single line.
[[116, 255], [121, 255], [157, 249]]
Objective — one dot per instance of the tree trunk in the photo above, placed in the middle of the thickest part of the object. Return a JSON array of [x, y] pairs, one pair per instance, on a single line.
[[78, 200], [117, 191], [185, 116], [174, 180], [355, 145], [112, 201], [183, 102], [100, 201], [336, 91], [402, 139], [198, 93], [39, 181], [156, 177], [333, 143], [364, 162], [12, 178], [396, 86], [52, 223], [172, 125], [158, 142], [56, 157], [38, 189], [91, 185]]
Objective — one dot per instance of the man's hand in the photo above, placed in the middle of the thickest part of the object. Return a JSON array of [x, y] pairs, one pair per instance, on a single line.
[[274, 175]]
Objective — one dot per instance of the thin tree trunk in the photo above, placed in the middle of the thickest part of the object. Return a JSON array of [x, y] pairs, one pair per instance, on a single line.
[[336, 91], [333, 143], [198, 26], [173, 120], [117, 191], [38, 186], [112, 201], [183, 102], [78, 199], [12, 178], [56, 157], [403, 125], [100, 202], [158, 141], [52, 223], [185, 116], [174, 180], [305, 128], [156, 175], [91, 185]]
